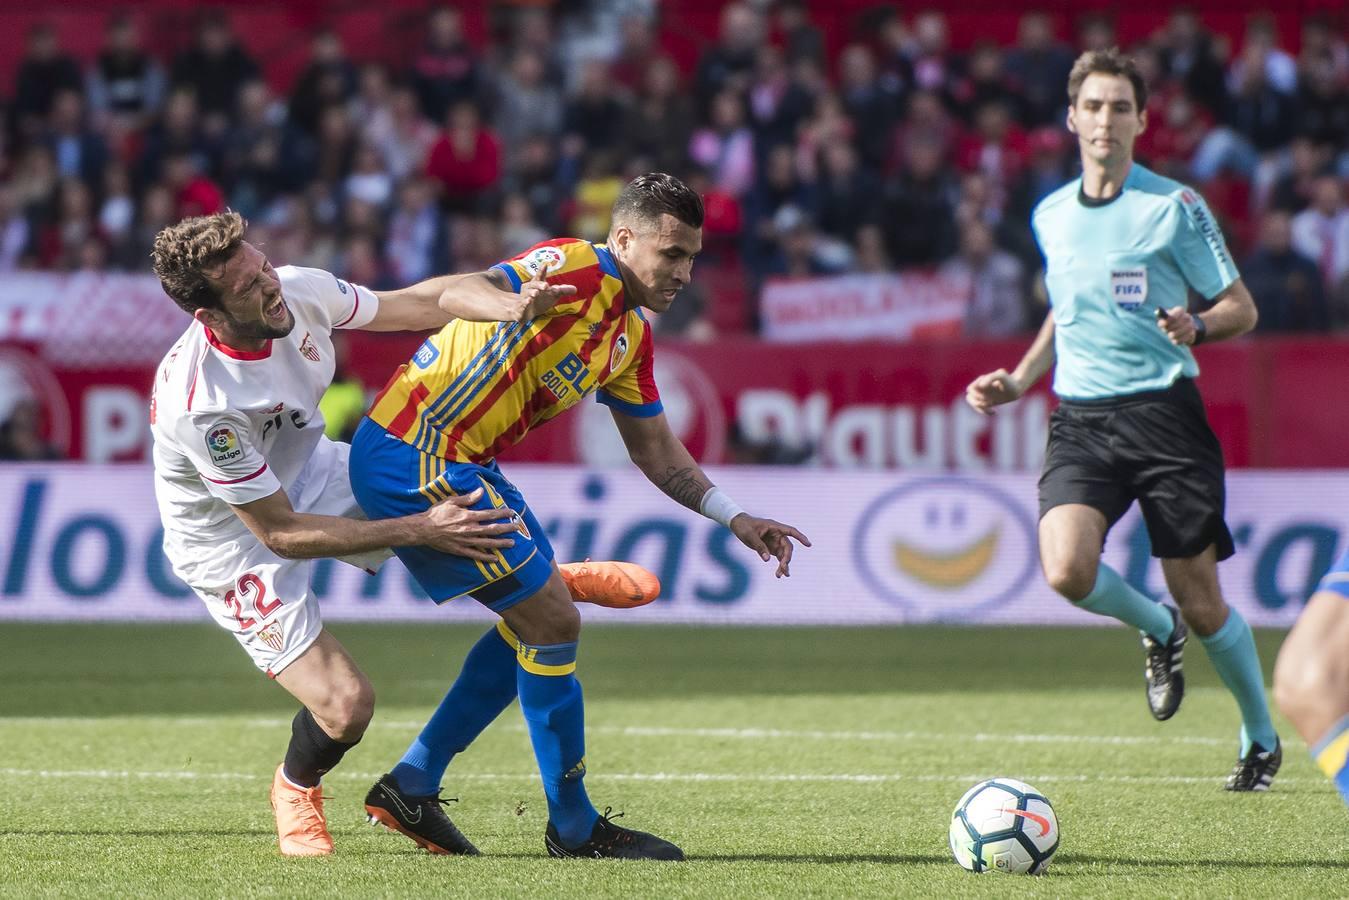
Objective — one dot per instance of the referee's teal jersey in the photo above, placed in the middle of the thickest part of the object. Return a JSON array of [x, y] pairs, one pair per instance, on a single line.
[[1110, 265]]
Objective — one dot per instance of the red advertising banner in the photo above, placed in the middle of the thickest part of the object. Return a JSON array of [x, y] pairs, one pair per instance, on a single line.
[[1275, 403], [898, 306]]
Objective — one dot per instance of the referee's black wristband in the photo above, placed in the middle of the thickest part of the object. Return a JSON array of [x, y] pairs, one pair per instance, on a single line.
[[1200, 331]]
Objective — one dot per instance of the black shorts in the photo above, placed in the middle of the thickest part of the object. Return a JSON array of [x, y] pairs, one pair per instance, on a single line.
[[1154, 447]]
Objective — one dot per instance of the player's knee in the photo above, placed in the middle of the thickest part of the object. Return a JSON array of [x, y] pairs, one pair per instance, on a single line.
[[1294, 684], [563, 623], [1305, 676], [351, 707], [1070, 578], [1204, 611], [556, 619]]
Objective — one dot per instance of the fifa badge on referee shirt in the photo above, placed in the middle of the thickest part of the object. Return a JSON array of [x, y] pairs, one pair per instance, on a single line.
[[1129, 286]]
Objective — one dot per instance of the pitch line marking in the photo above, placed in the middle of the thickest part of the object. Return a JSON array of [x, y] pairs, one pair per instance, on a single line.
[[767, 734], [843, 777]]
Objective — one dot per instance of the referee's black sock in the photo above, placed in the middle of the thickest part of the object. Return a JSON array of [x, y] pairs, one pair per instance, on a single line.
[[311, 752]]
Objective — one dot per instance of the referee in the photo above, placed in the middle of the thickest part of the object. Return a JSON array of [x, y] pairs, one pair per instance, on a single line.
[[1122, 246]]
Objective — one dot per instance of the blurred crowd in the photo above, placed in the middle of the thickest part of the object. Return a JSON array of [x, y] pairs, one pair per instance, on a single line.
[[884, 151]]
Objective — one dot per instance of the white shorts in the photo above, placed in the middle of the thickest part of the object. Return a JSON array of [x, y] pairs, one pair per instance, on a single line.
[[269, 608], [265, 601]]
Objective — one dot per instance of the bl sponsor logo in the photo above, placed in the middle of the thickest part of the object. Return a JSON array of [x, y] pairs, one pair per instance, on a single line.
[[963, 544]]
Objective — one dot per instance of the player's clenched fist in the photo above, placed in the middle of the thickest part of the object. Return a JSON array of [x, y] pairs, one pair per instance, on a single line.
[[992, 389], [453, 527], [768, 539]]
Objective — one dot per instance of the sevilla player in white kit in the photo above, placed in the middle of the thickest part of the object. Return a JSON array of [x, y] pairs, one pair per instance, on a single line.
[[250, 491]]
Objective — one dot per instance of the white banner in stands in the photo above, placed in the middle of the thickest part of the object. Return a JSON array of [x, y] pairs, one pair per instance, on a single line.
[[83, 542]]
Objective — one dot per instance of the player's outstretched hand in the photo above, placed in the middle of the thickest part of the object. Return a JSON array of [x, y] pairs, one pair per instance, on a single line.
[[992, 389], [452, 527], [537, 296], [768, 539]]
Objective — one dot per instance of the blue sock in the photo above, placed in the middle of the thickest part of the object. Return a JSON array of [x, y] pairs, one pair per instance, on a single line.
[[485, 686], [550, 698], [1112, 596], [1332, 755], [1232, 651]]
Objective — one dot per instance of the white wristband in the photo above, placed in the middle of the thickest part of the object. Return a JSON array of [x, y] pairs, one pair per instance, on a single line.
[[718, 506]]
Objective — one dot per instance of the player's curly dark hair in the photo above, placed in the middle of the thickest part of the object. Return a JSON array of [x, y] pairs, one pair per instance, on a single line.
[[1107, 62], [647, 197], [185, 252]]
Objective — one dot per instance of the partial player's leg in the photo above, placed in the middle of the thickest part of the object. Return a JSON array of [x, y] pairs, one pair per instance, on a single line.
[[544, 629], [1311, 677], [392, 478], [1071, 537], [487, 680], [1081, 497], [616, 584], [1231, 648], [266, 603], [407, 799], [338, 703], [1177, 474]]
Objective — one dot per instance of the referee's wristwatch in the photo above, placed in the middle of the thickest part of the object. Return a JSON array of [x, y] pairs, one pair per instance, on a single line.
[[1200, 331]]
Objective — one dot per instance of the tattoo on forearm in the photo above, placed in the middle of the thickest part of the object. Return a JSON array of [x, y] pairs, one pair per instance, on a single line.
[[686, 485]]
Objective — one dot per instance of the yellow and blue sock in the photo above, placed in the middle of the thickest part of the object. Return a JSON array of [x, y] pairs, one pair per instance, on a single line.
[[1232, 651], [550, 698], [1112, 596], [485, 687], [1332, 755]]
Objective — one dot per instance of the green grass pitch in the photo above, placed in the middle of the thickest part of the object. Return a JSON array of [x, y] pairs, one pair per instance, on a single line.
[[135, 761]]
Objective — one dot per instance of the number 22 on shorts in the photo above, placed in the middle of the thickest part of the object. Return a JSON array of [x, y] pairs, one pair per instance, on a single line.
[[250, 588]]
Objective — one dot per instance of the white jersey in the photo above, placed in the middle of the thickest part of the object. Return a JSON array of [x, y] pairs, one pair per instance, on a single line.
[[233, 426]]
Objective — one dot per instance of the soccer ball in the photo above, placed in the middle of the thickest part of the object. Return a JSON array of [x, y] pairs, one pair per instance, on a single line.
[[1004, 825]]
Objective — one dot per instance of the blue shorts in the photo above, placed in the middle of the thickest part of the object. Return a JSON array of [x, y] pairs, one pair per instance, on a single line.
[[392, 478], [1336, 579]]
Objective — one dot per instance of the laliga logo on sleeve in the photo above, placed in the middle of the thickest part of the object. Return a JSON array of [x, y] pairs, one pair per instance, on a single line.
[[223, 445], [549, 258]]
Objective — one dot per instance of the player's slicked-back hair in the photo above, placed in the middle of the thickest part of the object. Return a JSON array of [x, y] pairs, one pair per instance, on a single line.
[[647, 197], [184, 252], [1107, 62]]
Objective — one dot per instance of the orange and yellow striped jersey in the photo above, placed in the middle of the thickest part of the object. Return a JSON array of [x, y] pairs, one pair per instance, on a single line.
[[475, 388]]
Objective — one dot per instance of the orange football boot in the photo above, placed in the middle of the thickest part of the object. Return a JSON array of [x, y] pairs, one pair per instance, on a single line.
[[300, 825], [617, 585]]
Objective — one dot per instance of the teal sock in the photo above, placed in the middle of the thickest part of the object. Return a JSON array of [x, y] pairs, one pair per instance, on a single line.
[[1232, 651], [1112, 596]]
